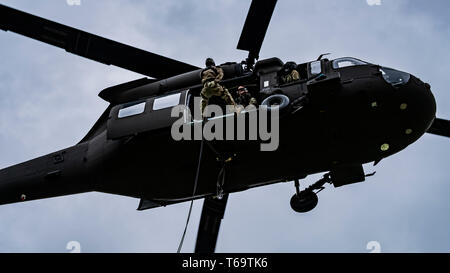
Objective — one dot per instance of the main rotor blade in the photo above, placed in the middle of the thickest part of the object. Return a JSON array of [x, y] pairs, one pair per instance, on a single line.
[[255, 27], [90, 46], [208, 230], [440, 127]]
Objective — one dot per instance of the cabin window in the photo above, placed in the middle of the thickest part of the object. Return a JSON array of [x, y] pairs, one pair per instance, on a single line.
[[131, 110], [167, 101], [315, 67], [347, 61]]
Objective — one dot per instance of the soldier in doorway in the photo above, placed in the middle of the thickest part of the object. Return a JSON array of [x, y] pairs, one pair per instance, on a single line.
[[244, 98], [211, 77], [289, 72]]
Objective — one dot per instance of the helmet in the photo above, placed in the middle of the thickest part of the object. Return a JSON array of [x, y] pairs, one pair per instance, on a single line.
[[242, 88], [289, 66], [209, 62]]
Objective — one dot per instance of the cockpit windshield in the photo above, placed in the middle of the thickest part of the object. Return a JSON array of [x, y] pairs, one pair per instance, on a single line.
[[394, 77], [347, 61]]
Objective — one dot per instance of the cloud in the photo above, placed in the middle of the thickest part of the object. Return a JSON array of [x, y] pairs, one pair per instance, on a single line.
[[49, 101]]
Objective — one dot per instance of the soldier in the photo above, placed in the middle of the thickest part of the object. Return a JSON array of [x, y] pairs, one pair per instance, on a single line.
[[211, 77], [244, 98], [289, 72]]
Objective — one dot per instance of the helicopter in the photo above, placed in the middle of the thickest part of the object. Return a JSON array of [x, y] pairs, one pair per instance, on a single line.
[[341, 94]]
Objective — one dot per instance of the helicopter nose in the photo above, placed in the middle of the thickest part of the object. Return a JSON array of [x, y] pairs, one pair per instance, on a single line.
[[417, 107]]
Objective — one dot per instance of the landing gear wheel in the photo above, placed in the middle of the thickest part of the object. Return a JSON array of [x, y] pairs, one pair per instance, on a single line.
[[304, 201]]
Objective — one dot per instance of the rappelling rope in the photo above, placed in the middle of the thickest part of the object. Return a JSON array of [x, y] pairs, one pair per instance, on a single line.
[[193, 194]]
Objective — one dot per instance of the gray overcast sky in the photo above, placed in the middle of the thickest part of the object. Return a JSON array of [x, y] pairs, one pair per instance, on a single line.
[[48, 101]]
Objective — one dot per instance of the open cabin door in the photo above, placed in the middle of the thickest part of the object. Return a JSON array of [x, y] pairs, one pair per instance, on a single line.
[[144, 115]]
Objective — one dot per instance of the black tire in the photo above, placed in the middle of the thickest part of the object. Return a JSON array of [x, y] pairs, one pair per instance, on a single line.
[[304, 202], [276, 100]]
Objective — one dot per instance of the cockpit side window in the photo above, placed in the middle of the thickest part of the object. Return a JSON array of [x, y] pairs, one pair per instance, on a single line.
[[347, 61], [315, 68]]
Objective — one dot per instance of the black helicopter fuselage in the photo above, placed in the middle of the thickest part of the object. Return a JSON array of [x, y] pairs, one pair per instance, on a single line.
[[334, 117], [351, 116]]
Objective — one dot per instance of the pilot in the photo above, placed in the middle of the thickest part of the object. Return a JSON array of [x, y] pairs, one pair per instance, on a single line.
[[244, 98], [289, 72], [211, 77]]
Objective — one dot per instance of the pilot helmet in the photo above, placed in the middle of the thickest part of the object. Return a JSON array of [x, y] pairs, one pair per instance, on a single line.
[[289, 66]]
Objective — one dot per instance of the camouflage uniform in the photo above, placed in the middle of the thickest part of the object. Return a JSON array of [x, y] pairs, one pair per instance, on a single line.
[[293, 76], [211, 76]]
